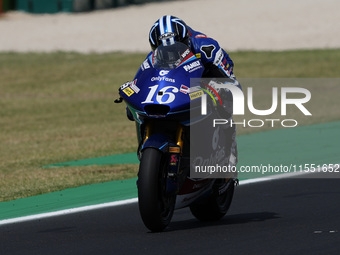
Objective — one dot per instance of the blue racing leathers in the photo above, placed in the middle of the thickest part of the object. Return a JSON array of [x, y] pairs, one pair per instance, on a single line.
[[216, 61], [217, 64]]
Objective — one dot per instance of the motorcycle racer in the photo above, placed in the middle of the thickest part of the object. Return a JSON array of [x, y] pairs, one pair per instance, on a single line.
[[216, 61]]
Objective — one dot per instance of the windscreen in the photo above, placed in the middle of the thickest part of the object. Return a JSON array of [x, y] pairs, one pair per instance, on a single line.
[[171, 56]]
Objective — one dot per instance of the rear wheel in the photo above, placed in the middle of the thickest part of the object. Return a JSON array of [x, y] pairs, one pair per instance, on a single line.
[[156, 207], [217, 204]]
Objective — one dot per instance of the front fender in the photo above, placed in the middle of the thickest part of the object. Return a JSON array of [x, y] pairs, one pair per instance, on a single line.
[[157, 141]]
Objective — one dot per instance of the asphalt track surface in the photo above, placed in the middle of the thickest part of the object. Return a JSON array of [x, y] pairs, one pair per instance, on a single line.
[[286, 216]]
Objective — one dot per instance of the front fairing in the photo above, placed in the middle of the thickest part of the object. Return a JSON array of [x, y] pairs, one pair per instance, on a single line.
[[162, 93]]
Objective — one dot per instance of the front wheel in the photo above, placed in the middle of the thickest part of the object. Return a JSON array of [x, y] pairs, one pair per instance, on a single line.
[[156, 207]]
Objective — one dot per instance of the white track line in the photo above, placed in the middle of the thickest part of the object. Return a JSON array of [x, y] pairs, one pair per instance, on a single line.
[[273, 177], [68, 211], [125, 202]]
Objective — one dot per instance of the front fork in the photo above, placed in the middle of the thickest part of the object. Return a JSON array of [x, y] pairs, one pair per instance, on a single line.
[[172, 149]]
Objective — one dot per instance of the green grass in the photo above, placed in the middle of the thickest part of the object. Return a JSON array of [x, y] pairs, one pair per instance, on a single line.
[[59, 107]]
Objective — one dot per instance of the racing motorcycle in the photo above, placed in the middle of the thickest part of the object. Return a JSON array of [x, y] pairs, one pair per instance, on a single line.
[[165, 104]]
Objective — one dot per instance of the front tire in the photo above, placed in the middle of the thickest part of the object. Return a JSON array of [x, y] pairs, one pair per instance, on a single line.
[[156, 207]]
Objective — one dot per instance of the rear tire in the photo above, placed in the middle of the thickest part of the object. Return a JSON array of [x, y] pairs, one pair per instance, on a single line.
[[156, 207], [217, 204]]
